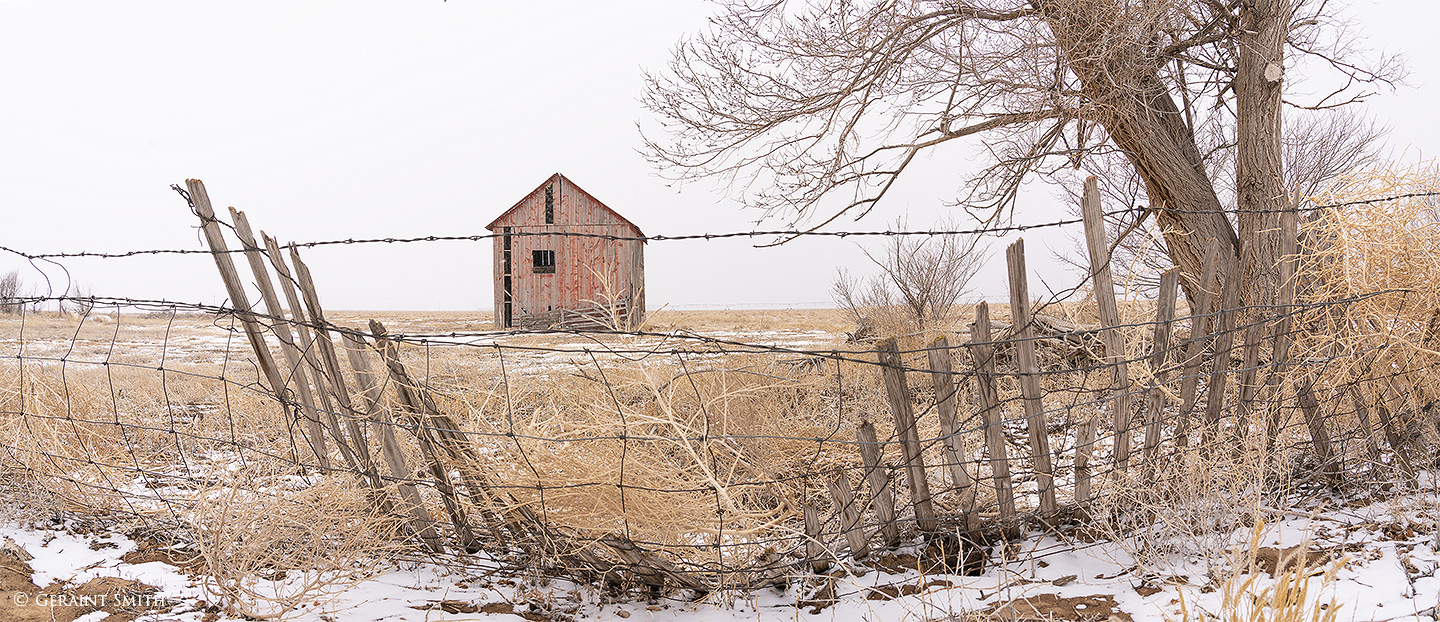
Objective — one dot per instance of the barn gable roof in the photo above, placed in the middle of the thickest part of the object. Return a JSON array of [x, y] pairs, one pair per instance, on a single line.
[[571, 185]]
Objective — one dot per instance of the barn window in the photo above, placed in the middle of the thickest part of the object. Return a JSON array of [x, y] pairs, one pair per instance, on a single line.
[[550, 207], [544, 261]]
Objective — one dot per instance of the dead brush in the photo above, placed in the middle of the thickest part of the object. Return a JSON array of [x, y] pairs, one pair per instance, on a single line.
[[618, 311], [1369, 275], [267, 554], [1185, 510], [675, 460]]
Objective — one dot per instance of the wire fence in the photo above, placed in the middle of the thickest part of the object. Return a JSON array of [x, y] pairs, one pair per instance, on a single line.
[[272, 435]]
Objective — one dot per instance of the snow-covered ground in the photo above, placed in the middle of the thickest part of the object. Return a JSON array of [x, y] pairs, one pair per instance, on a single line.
[[1375, 562]]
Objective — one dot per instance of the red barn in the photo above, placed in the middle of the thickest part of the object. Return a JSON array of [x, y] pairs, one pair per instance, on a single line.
[[542, 279]]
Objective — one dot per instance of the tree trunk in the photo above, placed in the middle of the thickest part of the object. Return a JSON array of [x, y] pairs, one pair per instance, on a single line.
[[1132, 103], [1259, 175]]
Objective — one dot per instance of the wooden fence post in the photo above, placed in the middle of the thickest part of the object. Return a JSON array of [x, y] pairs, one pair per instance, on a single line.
[[1249, 369], [982, 356], [879, 481], [946, 400], [338, 389], [282, 332], [306, 347], [1392, 435], [1372, 446], [1115, 354], [1220, 365], [1318, 434], [850, 517], [899, 396], [371, 391], [235, 289], [1289, 237], [1195, 348], [436, 434], [815, 551], [1029, 368], [1159, 364]]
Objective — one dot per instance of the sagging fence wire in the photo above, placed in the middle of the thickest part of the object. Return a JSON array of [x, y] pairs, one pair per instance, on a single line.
[[686, 464]]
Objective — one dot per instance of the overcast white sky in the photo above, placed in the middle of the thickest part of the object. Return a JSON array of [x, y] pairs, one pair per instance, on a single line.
[[332, 120]]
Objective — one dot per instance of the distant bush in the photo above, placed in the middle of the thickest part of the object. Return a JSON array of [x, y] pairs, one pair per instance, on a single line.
[[10, 292], [921, 279]]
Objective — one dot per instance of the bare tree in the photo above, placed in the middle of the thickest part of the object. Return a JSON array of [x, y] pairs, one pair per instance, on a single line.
[[1318, 148], [817, 108], [82, 300], [10, 292], [1321, 147], [924, 275]]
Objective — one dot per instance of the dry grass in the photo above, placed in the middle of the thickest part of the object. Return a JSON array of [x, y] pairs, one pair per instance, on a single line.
[[701, 450], [266, 554], [1293, 594]]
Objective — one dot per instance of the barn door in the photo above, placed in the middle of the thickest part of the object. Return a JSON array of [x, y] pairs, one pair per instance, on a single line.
[[508, 311]]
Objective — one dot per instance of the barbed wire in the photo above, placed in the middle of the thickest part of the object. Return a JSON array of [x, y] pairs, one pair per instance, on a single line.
[[774, 233]]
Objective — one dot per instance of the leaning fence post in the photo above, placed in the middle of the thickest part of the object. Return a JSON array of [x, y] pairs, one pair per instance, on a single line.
[[1159, 361], [946, 400], [1029, 371], [1310, 407], [850, 517], [1372, 446], [814, 549], [1280, 352], [1249, 369], [371, 390], [899, 396], [282, 332], [1195, 348], [1220, 366], [316, 315], [1114, 339], [235, 288], [879, 481], [982, 356]]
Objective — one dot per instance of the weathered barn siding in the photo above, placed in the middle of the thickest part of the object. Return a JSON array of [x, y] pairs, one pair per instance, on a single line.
[[589, 269]]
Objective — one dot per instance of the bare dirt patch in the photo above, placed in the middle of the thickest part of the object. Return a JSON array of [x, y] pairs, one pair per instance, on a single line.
[[1098, 608]]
